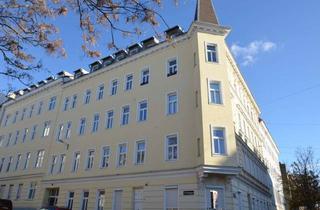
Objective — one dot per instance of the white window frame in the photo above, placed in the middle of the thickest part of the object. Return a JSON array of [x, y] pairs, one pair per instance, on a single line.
[[60, 132], [52, 103], [23, 114], [103, 156], [216, 52], [167, 103], [34, 132], [87, 97], [136, 152], [114, 85], [142, 76], [109, 120], [82, 126], [122, 115], [54, 161], [100, 92], [39, 159], [74, 101], [18, 191], [46, 128], [127, 82], [97, 203], [25, 134], [84, 198], [19, 156], [119, 154], [168, 66], [212, 128], [165, 197], [40, 106], [95, 123], [68, 130], [89, 159], [70, 200], [215, 187], [167, 148], [31, 110], [33, 188], [209, 92], [27, 161], [144, 110], [76, 161]]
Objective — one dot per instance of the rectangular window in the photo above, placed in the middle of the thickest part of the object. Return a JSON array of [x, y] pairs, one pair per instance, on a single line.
[[129, 82], [9, 139], [40, 107], [85, 198], [172, 67], [144, 77], [90, 159], [125, 115], [31, 111], [105, 156], [66, 104], [18, 193], [215, 198], [95, 125], [70, 200], [100, 92], [9, 163], [1, 164], [15, 117], [32, 190], [2, 189], [172, 106], [18, 162], [171, 198], [76, 161], [62, 163], [39, 159], [25, 134], [6, 120], [60, 132], [68, 130], [23, 114], [109, 119], [27, 160], [100, 199], [82, 126], [218, 141], [54, 161], [87, 97], [1, 141], [211, 53], [122, 155], [117, 200], [10, 191], [52, 103], [46, 129], [114, 87], [34, 132], [172, 147], [140, 152], [143, 111], [74, 102], [16, 138], [215, 93]]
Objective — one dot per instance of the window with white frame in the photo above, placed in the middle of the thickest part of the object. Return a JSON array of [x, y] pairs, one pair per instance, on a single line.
[[129, 82], [211, 53], [16, 138], [218, 141], [95, 124], [74, 101], [215, 198], [2, 163], [2, 189], [62, 163], [144, 77], [109, 119], [70, 200], [87, 97], [9, 163], [14, 120], [68, 130], [9, 139], [122, 154], [40, 107], [52, 103], [10, 191], [46, 129], [18, 162], [171, 198], [172, 147], [90, 159], [66, 104], [172, 106], [172, 67], [140, 152], [18, 193], [82, 126], [114, 87], [100, 199], [31, 110], [6, 120], [39, 159], [32, 190], [215, 92], [25, 134], [23, 114], [33, 133], [85, 198], [143, 111], [125, 115], [105, 156], [100, 92], [76, 161], [27, 161], [54, 161], [60, 132]]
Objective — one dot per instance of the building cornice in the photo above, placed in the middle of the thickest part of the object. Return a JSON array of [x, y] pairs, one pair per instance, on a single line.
[[23, 176]]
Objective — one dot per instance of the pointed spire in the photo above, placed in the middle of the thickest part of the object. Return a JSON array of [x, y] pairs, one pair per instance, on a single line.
[[205, 12]]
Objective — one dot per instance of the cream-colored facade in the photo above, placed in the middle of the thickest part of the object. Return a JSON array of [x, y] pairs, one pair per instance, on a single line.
[[169, 125]]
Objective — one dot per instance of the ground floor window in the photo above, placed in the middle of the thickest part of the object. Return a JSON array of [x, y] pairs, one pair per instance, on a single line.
[[70, 200], [215, 198], [85, 198], [100, 199], [53, 196], [171, 198], [117, 200]]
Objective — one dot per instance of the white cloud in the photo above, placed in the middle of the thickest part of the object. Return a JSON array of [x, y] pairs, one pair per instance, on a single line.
[[248, 54]]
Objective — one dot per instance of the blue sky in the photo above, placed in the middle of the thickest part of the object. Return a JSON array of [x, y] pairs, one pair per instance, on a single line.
[[276, 43]]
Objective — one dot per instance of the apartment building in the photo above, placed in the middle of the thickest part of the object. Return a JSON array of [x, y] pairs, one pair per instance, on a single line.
[[161, 125]]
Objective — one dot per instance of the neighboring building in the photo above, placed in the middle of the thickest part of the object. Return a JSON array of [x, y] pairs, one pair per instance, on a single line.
[[285, 184], [169, 125]]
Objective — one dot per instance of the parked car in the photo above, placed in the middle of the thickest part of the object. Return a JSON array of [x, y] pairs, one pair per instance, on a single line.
[[53, 208], [5, 204]]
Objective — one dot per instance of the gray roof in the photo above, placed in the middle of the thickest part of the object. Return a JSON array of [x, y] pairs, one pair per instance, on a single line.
[[3, 98]]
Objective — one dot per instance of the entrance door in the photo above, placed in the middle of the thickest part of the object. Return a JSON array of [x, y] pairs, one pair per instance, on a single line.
[[138, 199], [117, 200]]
